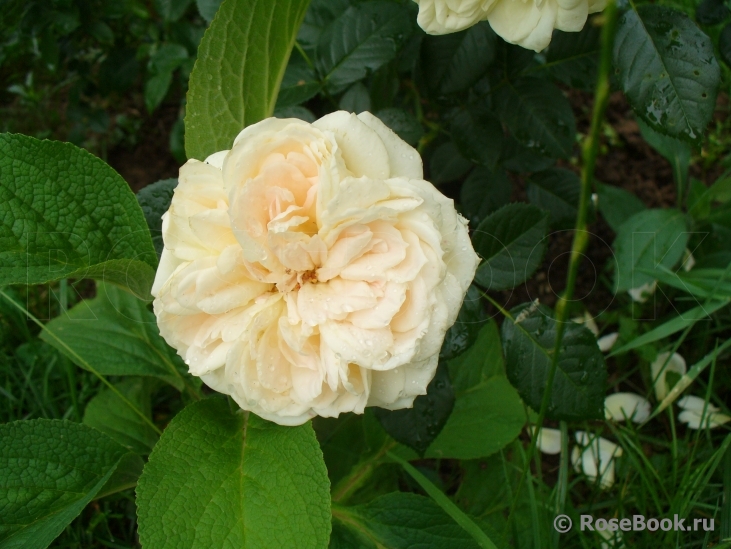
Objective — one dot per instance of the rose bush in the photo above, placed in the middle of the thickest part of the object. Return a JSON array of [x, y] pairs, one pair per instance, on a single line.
[[528, 23], [310, 270]]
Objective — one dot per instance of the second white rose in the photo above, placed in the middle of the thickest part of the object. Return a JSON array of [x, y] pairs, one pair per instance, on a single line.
[[311, 270], [527, 23]]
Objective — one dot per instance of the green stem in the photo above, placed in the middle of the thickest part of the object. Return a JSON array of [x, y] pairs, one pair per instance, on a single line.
[[79, 360], [467, 524], [63, 300], [563, 477], [590, 149], [363, 471]]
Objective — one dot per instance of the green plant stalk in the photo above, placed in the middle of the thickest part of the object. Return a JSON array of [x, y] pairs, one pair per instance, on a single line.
[[467, 524], [63, 302], [563, 477], [85, 363], [363, 470], [590, 149]]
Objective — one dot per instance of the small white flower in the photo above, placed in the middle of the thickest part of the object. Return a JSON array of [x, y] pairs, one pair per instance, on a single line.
[[612, 540], [692, 413], [588, 321], [621, 406], [642, 293], [688, 261], [659, 370], [595, 458], [549, 441], [607, 342]]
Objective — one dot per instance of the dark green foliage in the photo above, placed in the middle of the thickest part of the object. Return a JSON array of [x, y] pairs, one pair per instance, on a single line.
[[417, 427], [578, 388]]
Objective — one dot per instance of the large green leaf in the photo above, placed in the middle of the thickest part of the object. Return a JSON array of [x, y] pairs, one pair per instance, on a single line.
[[115, 334], [65, 213], [676, 152], [645, 241], [240, 65], [557, 191], [364, 38], [225, 478], [155, 201], [538, 115], [418, 426], [511, 242], [617, 205], [667, 68], [578, 386], [453, 62], [397, 521], [486, 403], [111, 415], [49, 471]]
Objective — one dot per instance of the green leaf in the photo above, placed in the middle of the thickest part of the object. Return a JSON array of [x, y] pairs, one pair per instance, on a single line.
[[573, 57], [363, 39], [405, 124], [109, 414], [521, 159], [226, 478], [478, 136], [155, 201], [49, 471], [296, 112], [446, 504], [208, 8], [124, 477], [397, 521], [319, 15], [673, 326], [675, 151], [156, 88], [485, 403], [666, 67], [453, 62], [67, 214], [240, 65], [483, 192], [579, 385], [356, 99], [298, 84], [617, 205], [557, 191], [171, 10], [645, 241], [418, 426], [447, 164], [168, 58], [538, 115], [116, 335], [712, 12], [511, 242], [463, 332], [118, 72]]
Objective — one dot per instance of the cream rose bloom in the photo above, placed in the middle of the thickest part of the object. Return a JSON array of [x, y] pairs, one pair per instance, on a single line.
[[311, 270], [527, 23]]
